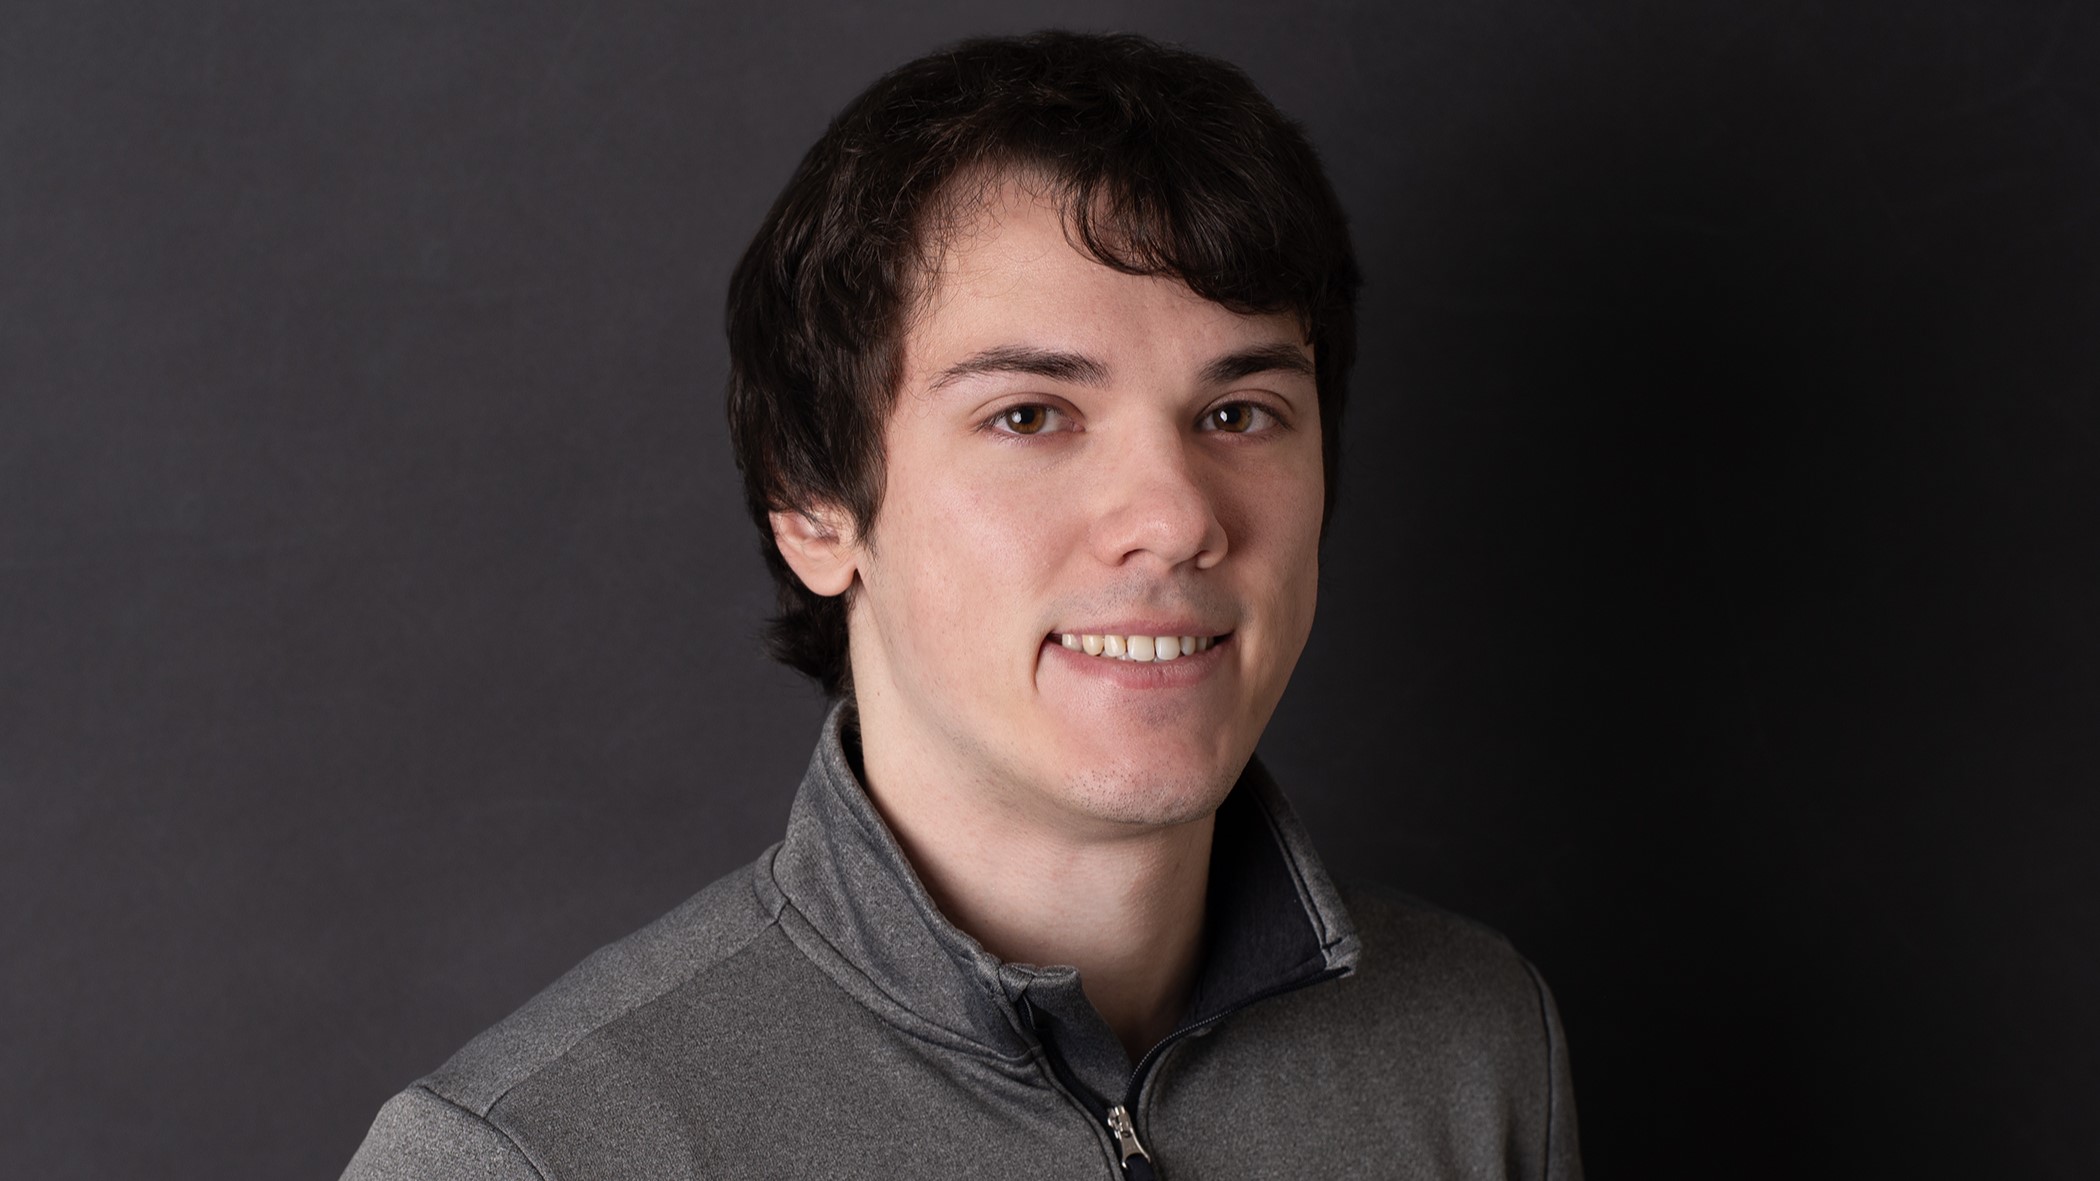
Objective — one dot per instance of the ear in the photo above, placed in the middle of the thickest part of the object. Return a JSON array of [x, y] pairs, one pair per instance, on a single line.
[[817, 548]]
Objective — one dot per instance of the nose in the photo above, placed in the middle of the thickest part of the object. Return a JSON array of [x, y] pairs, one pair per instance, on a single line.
[[1152, 504]]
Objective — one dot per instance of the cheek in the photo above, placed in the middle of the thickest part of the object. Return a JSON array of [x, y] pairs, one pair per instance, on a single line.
[[965, 555], [1277, 520], [1279, 539]]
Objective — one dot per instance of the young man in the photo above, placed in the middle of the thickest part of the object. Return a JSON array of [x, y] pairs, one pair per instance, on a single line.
[[1037, 373]]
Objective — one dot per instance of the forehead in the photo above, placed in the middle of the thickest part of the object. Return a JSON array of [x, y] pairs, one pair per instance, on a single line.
[[1004, 269]]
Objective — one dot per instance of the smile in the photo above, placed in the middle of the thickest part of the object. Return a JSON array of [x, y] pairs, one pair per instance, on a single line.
[[1139, 649]]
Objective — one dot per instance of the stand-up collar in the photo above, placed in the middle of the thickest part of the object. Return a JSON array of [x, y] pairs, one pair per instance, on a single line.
[[850, 899]]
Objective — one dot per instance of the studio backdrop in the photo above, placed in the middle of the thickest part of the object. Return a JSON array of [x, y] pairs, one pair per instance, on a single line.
[[1712, 604]]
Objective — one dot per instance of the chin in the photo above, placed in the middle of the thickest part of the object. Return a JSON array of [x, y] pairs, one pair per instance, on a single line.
[[1138, 793], [1149, 772]]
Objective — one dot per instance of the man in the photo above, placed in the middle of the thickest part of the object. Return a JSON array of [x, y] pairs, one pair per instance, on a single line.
[[1037, 368]]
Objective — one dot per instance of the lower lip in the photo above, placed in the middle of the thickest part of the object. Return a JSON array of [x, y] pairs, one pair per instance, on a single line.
[[1134, 674]]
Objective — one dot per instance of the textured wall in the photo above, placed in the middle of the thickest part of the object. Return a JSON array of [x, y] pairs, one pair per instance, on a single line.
[[1712, 604]]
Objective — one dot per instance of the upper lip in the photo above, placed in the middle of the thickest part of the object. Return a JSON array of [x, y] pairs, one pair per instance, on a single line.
[[1143, 627]]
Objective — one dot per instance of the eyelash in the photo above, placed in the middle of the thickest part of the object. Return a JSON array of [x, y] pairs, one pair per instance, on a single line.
[[1275, 420], [996, 423]]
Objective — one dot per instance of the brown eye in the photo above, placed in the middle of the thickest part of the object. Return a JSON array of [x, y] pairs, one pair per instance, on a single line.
[[1025, 420], [1234, 418]]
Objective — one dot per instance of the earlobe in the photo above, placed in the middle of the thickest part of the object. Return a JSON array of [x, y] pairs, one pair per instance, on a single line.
[[816, 549]]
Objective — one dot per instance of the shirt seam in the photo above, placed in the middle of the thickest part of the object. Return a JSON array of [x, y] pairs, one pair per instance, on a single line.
[[531, 1161], [622, 1014]]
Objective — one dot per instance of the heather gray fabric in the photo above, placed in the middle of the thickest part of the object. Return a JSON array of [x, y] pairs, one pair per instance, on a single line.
[[817, 1017]]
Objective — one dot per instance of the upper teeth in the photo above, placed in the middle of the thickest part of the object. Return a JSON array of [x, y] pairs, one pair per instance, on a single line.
[[1139, 648]]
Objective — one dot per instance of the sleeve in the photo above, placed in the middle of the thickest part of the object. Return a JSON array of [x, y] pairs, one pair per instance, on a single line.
[[1563, 1146], [420, 1136]]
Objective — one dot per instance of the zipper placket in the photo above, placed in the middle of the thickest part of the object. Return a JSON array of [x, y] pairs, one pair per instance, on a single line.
[[1118, 1118]]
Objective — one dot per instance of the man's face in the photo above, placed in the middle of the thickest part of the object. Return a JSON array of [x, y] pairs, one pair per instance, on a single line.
[[1079, 452]]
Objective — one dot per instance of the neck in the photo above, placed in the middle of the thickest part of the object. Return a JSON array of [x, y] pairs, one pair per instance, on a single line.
[[1121, 903]]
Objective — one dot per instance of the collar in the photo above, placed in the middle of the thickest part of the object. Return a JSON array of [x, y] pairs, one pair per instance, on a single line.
[[843, 890]]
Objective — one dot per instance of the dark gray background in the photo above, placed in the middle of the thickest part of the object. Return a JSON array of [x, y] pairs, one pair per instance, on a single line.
[[1711, 608]]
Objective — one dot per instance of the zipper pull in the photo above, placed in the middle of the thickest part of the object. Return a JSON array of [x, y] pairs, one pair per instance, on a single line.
[[1125, 1133]]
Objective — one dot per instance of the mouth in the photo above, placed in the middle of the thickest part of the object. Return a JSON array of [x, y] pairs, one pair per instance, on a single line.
[[1136, 649]]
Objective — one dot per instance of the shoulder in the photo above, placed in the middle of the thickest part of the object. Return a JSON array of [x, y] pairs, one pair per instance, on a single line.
[[1442, 1044], [1460, 1013], [1434, 995], [1415, 945], [617, 984], [1450, 974], [1437, 1054], [618, 992], [420, 1136]]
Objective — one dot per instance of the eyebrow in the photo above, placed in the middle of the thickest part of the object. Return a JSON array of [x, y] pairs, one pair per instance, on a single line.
[[1071, 367], [1084, 370], [1268, 358]]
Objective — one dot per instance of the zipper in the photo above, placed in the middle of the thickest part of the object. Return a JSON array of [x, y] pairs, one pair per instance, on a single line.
[[1126, 1136], [1136, 1161]]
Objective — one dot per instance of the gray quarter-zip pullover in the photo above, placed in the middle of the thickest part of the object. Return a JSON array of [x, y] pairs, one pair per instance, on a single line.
[[816, 1016]]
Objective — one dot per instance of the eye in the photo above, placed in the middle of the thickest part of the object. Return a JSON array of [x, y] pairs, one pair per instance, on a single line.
[[1238, 418], [1032, 418]]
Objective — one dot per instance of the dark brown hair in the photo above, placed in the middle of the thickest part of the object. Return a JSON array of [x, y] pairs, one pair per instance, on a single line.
[[1163, 161]]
